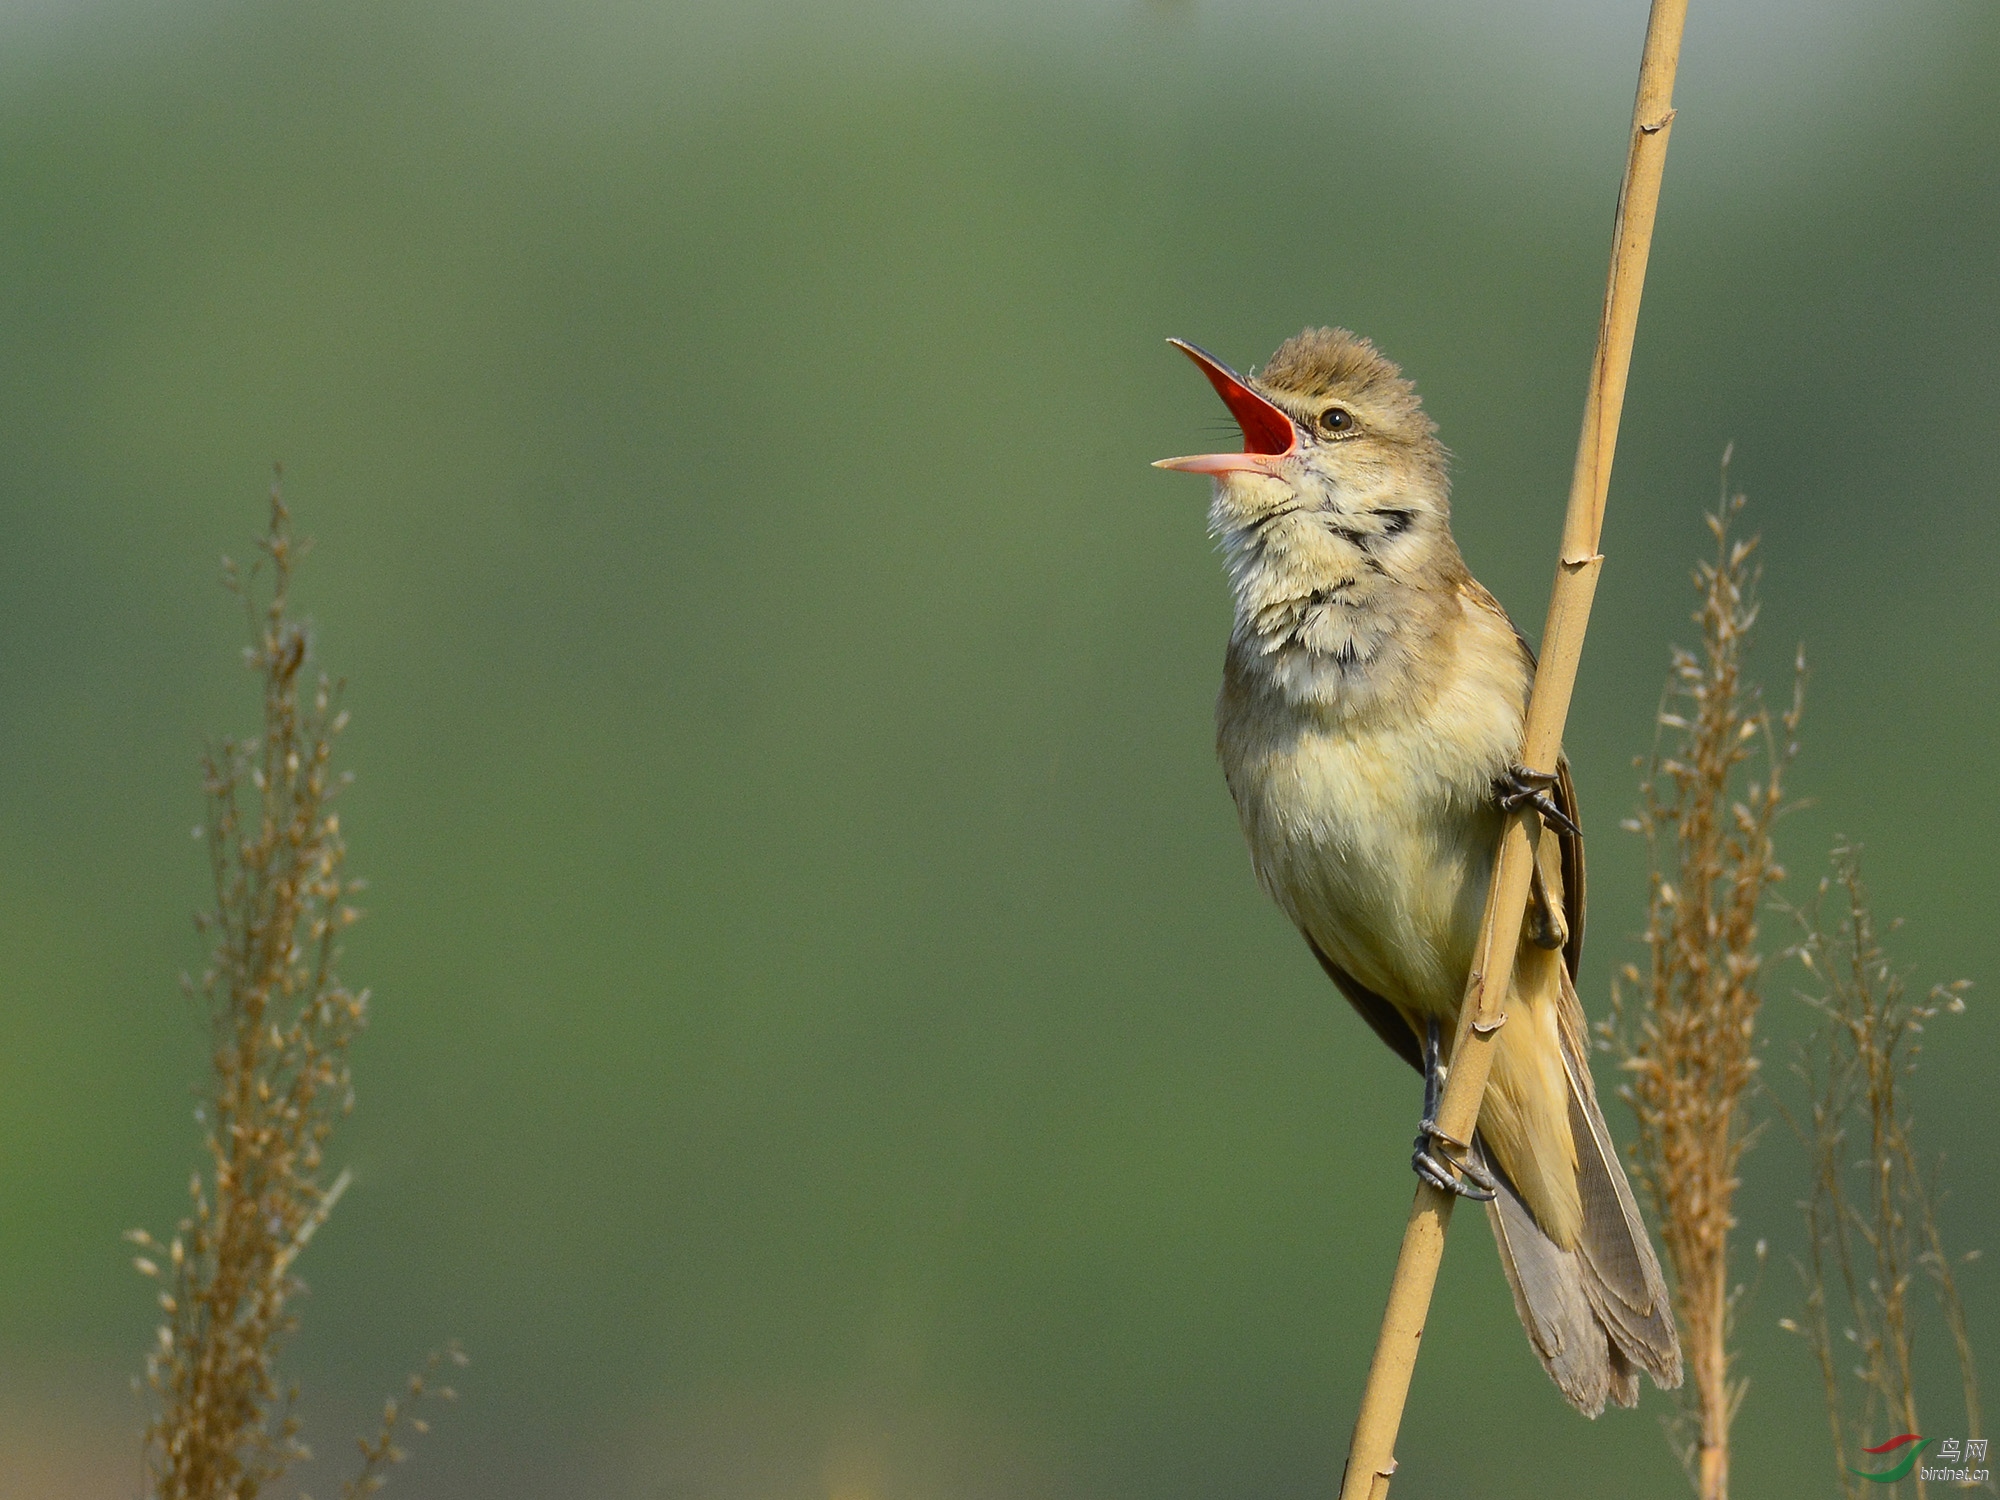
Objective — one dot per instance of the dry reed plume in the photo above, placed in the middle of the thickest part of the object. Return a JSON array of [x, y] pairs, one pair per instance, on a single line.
[[281, 1023], [1872, 1215], [1684, 1025], [382, 1452]]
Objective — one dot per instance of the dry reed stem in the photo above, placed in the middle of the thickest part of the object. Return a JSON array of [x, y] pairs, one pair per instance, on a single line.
[[1687, 1042], [1867, 1244], [1371, 1457]]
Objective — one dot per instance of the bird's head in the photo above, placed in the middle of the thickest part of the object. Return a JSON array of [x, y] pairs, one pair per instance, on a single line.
[[1331, 430], [1339, 500]]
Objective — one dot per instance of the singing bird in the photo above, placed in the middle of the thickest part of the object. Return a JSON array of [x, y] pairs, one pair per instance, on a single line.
[[1370, 717]]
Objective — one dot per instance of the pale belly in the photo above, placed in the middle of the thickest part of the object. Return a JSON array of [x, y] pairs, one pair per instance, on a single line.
[[1380, 846], [1376, 831]]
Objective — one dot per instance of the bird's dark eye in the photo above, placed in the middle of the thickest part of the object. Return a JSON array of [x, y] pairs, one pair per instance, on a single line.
[[1336, 419]]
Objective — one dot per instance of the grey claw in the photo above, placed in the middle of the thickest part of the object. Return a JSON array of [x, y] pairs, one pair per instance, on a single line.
[[1468, 1179], [1432, 1170], [1518, 787]]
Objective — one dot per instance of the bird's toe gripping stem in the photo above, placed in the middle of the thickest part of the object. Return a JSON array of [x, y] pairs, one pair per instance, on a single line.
[[1434, 1160], [1518, 787]]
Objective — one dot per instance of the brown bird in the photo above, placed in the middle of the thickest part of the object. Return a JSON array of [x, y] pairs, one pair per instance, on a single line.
[[1371, 712]]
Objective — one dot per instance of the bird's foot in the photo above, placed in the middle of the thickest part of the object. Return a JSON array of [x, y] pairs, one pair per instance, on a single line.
[[1433, 1160], [1450, 1174], [1518, 787]]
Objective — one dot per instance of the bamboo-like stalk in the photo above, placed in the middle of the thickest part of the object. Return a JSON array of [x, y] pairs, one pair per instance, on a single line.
[[1371, 1457]]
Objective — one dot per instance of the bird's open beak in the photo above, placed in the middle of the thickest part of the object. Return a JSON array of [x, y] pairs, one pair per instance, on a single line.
[[1268, 434]]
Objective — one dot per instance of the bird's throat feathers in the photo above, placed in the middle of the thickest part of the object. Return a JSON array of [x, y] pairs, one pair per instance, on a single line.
[[1345, 587]]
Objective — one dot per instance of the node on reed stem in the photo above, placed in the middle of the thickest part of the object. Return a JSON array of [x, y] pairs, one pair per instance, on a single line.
[[1684, 1024], [1872, 1226]]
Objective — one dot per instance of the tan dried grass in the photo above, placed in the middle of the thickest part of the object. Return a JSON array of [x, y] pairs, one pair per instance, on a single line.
[[281, 1023], [1872, 1226], [1684, 1024]]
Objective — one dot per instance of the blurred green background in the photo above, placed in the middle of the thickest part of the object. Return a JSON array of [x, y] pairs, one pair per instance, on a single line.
[[828, 1042]]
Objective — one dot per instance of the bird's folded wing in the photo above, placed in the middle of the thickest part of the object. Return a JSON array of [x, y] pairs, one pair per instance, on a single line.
[[1383, 1018], [1570, 848]]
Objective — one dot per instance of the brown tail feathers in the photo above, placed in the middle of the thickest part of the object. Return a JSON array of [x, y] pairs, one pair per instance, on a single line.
[[1596, 1314]]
